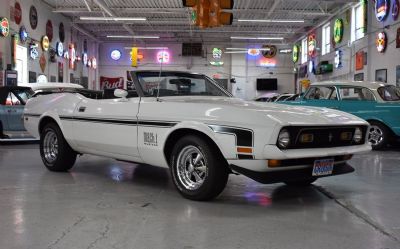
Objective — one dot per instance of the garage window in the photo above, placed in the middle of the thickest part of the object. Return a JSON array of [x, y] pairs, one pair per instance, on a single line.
[[356, 94], [326, 39], [304, 51], [321, 92]]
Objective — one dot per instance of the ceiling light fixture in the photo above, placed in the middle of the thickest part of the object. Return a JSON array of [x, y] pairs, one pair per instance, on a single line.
[[100, 18], [148, 48], [133, 36], [272, 20], [255, 38]]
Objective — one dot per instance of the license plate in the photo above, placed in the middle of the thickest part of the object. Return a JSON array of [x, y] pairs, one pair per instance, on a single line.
[[323, 167]]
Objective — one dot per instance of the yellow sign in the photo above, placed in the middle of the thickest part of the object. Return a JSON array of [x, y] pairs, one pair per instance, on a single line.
[[134, 56], [305, 83], [45, 43]]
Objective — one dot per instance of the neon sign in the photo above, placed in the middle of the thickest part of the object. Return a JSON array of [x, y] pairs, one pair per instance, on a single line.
[[45, 43], [72, 56], [267, 62], [253, 52], [338, 30], [217, 53], [33, 52], [94, 63], [60, 49], [163, 57], [115, 54], [23, 35], [338, 58], [85, 59], [295, 53], [312, 45], [381, 42], [4, 27], [381, 9]]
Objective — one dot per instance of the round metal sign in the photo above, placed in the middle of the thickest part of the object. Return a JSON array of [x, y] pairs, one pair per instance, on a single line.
[[49, 30], [4, 27], [381, 42], [61, 32], [23, 35], [45, 43], [295, 53], [17, 13], [395, 9], [338, 30], [33, 17], [269, 51], [381, 9], [60, 49], [115, 54]]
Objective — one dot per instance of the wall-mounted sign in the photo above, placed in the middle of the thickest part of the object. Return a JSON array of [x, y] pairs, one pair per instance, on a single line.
[[89, 63], [395, 9], [381, 9], [163, 57], [23, 35], [285, 51], [295, 53], [42, 62], [311, 67], [33, 17], [49, 30], [60, 49], [338, 30], [33, 51], [111, 83], [323, 67], [381, 42], [94, 63], [61, 32], [267, 62], [398, 38], [52, 55], [217, 53], [364, 26], [338, 58], [85, 47], [134, 57], [4, 27], [41, 79], [253, 52], [360, 60], [269, 51], [17, 13], [71, 55], [312, 45], [45, 43], [115, 54], [216, 63], [85, 59]]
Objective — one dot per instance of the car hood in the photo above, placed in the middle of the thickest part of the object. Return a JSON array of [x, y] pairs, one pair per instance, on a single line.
[[251, 111]]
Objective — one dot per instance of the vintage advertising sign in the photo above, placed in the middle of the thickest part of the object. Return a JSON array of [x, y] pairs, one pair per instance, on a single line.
[[395, 9], [33, 17], [61, 32], [111, 83], [4, 27], [17, 13], [296, 52], [49, 30], [360, 60], [338, 30], [269, 51], [381, 42], [45, 43], [381, 9], [42, 62], [312, 45], [23, 35]]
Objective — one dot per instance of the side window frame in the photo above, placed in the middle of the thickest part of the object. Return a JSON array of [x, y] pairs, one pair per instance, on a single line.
[[357, 87], [333, 89]]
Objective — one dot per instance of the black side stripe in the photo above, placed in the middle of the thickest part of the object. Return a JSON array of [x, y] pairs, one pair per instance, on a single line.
[[130, 122], [244, 137], [31, 115]]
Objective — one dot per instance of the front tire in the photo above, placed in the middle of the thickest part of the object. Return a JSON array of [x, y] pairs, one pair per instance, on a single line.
[[198, 169], [56, 153], [378, 135]]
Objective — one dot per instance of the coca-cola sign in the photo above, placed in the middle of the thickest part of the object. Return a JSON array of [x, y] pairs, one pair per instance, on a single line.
[[111, 83]]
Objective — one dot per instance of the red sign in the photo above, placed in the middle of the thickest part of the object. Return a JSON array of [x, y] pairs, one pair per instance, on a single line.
[[398, 38], [17, 13], [49, 30], [111, 83], [42, 62], [4, 27], [360, 60]]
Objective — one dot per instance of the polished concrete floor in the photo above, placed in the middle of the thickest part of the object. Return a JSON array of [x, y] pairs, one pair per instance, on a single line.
[[107, 204]]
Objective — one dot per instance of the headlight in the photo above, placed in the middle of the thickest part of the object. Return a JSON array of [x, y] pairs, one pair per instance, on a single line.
[[357, 137], [284, 139]]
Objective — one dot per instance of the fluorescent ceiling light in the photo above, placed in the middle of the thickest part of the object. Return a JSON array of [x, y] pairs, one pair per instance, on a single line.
[[272, 20], [246, 49], [100, 18], [148, 48], [134, 36], [255, 38]]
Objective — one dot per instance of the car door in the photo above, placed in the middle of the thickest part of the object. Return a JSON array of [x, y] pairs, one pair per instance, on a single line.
[[107, 126], [321, 96], [359, 101], [13, 110]]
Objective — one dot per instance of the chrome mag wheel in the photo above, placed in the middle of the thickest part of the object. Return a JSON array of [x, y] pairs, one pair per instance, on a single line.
[[375, 135], [191, 167], [50, 146]]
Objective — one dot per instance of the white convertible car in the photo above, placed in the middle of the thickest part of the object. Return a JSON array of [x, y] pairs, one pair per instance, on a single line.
[[187, 123]]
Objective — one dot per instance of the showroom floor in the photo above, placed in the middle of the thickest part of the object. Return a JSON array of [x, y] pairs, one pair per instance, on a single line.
[[107, 204]]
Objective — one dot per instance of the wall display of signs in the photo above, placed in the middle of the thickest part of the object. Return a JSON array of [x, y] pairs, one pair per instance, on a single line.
[[61, 32], [33, 51], [45, 43], [23, 35], [49, 30], [395, 9], [60, 49], [295, 53], [381, 75], [269, 51], [60, 72], [338, 58], [42, 62], [338, 30], [381, 42], [17, 13], [4, 27], [111, 83], [85, 59], [115, 54], [360, 60], [217, 53], [71, 56], [398, 75], [253, 52], [381, 9], [312, 45], [163, 57], [398, 38], [32, 77], [33, 17], [359, 77], [52, 55]]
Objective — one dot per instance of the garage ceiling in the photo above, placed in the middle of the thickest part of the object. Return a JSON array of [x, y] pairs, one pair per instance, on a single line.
[[169, 20]]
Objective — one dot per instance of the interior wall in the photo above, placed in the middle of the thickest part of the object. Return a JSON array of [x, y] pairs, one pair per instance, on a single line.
[[44, 14]]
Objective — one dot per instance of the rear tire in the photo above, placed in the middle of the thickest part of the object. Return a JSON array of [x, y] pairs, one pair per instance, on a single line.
[[56, 153], [300, 183], [198, 169], [378, 135]]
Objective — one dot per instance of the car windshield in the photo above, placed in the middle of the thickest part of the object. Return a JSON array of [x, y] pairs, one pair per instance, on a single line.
[[24, 94], [178, 84], [389, 93]]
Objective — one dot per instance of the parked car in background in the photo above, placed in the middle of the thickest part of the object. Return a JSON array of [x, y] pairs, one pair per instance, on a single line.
[[267, 97], [293, 97], [283, 97], [186, 122], [377, 103]]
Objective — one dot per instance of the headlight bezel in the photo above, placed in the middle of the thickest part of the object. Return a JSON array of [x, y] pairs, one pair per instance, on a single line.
[[284, 139], [358, 135]]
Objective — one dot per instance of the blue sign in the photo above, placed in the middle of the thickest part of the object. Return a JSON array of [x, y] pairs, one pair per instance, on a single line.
[[60, 49], [381, 9], [33, 52], [23, 35]]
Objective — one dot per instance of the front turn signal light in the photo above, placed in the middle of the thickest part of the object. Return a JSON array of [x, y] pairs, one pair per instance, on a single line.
[[274, 163]]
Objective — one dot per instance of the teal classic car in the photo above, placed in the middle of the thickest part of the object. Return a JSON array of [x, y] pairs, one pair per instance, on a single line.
[[377, 103]]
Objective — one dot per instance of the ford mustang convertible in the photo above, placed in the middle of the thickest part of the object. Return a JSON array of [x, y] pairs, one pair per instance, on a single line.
[[186, 122]]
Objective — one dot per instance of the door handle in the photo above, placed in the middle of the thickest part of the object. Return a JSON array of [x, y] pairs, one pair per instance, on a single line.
[[82, 109]]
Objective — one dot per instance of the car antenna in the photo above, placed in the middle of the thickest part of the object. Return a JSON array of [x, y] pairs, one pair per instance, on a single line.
[[159, 78]]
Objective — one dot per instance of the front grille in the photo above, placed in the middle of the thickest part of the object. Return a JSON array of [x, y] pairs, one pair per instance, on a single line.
[[323, 137]]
